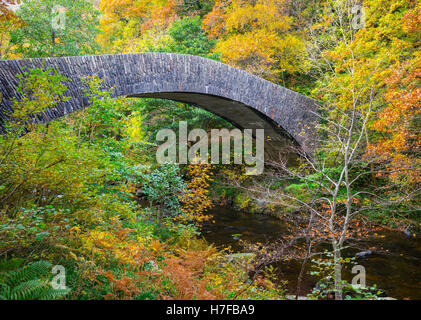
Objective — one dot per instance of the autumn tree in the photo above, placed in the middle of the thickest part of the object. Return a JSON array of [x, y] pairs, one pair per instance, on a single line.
[[332, 185], [369, 106], [395, 142], [257, 36], [130, 26], [196, 200], [387, 78]]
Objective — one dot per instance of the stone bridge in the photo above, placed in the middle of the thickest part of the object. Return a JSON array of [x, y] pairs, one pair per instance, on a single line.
[[246, 101]]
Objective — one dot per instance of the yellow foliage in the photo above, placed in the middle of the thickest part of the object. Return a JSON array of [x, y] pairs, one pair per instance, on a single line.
[[134, 128], [107, 246], [125, 23], [264, 15], [196, 201], [257, 37]]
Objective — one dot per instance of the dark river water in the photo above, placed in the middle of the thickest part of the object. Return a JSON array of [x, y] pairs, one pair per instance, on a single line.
[[395, 266]]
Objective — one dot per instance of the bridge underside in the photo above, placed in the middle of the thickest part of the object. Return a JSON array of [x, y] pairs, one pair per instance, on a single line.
[[277, 141]]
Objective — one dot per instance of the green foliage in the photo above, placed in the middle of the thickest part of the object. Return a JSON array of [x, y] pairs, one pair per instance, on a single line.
[[159, 114], [32, 282], [164, 186], [30, 226], [242, 201], [37, 169], [190, 39], [324, 269], [310, 183], [38, 38], [40, 90]]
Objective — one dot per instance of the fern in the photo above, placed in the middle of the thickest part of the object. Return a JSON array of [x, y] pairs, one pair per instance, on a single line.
[[30, 283]]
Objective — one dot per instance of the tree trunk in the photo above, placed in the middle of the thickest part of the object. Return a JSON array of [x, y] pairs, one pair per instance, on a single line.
[[300, 277], [338, 273]]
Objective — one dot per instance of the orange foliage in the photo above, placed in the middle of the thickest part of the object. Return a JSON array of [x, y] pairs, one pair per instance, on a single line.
[[161, 16], [185, 272], [125, 288], [397, 122], [5, 12], [214, 22], [185, 269], [328, 227]]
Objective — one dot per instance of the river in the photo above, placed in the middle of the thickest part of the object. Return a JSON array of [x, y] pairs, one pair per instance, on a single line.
[[395, 266]]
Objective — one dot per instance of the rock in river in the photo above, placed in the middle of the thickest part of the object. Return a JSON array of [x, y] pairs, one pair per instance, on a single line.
[[364, 254]]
